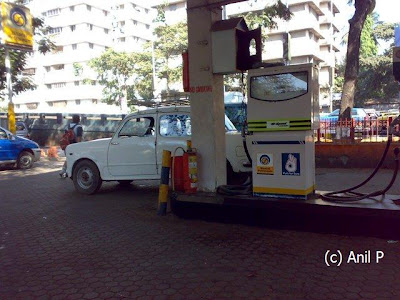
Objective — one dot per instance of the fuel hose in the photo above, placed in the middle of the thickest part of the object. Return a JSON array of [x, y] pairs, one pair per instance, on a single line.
[[350, 195]]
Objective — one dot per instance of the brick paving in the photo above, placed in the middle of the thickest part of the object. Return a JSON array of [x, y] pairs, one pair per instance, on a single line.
[[57, 244]]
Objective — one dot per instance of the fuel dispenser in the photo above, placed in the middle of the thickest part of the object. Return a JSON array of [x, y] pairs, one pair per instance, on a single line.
[[282, 113]]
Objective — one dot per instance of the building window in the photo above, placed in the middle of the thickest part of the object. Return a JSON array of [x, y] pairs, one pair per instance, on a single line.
[[121, 6], [146, 10], [58, 67], [28, 72], [94, 101], [77, 102], [72, 8], [122, 23], [47, 69], [48, 86], [50, 104], [93, 82], [58, 85], [74, 46], [147, 26], [105, 30], [55, 30], [52, 12], [172, 7], [73, 27], [91, 45], [121, 40], [76, 83], [88, 7], [134, 22], [90, 26]]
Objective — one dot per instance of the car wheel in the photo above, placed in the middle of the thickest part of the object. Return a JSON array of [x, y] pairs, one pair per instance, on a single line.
[[25, 160], [86, 177], [124, 182]]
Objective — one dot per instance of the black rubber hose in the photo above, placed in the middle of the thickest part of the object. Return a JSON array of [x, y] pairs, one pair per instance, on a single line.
[[335, 197]]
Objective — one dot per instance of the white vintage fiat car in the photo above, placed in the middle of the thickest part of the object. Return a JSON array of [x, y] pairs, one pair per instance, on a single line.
[[135, 150]]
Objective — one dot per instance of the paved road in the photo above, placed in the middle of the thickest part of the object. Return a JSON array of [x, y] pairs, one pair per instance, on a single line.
[[55, 243]]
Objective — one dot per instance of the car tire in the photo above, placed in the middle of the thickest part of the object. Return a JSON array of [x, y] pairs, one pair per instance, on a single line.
[[124, 182], [25, 160], [86, 177]]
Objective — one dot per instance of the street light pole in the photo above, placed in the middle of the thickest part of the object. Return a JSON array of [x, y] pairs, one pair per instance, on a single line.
[[11, 113]]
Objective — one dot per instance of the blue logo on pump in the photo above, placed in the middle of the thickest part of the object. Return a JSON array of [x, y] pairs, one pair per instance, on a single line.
[[291, 164], [264, 159]]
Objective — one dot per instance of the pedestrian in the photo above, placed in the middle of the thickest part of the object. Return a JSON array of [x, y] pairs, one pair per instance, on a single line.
[[77, 128]]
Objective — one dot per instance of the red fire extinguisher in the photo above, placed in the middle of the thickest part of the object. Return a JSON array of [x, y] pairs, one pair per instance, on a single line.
[[185, 171]]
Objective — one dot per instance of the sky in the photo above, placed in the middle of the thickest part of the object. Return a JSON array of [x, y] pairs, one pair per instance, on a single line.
[[388, 11]]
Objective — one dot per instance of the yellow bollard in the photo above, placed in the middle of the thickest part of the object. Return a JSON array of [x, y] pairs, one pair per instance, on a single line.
[[11, 118], [164, 183]]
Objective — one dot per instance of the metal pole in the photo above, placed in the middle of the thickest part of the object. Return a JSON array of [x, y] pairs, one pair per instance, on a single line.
[[11, 113]]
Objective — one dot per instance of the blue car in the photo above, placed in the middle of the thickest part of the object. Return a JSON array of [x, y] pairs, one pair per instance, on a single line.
[[358, 114], [17, 150]]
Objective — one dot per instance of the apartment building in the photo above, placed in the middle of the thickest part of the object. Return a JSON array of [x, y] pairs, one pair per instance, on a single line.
[[312, 30], [82, 30]]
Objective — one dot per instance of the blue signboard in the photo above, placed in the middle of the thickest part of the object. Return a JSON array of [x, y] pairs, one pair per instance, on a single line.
[[397, 35], [291, 164]]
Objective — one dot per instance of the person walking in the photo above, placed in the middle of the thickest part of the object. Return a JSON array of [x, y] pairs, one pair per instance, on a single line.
[[77, 128]]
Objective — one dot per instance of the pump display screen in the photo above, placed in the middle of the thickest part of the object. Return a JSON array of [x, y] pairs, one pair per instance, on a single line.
[[279, 87]]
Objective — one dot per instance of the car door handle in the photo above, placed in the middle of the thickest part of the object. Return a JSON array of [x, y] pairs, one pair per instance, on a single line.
[[114, 143]]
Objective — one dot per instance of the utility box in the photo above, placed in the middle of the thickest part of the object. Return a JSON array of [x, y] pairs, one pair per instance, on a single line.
[[232, 44]]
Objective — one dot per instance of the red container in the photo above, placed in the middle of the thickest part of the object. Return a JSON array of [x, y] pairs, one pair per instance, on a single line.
[[178, 173]]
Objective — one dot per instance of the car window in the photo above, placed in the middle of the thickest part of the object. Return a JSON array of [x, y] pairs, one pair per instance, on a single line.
[[19, 126], [229, 125], [138, 127], [3, 135], [334, 113], [175, 125]]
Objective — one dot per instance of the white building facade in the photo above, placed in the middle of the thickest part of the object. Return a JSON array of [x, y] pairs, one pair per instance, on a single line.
[[82, 30]]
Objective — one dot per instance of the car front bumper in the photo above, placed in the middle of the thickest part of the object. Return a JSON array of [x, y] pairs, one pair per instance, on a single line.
[[36, 153]]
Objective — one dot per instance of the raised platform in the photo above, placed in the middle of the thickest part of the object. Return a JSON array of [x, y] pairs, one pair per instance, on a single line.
[[373, 217]]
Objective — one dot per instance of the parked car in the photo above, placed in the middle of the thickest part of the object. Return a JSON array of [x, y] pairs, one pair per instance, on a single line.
[[21, 129], [17, 150], [358, 114], [236, 112], [135, 150]]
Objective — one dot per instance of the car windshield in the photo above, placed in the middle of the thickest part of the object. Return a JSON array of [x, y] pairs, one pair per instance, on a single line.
[[229, 125]]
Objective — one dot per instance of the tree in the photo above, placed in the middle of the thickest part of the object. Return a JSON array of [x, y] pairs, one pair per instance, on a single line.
[[362, 9], [122, 75], [376, 80], [19, 59], [170, 42]]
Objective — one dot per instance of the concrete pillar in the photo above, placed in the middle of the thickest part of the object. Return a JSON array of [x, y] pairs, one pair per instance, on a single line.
[[206, 98]]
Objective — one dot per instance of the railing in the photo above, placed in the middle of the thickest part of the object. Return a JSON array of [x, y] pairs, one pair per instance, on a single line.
[[354, 131]]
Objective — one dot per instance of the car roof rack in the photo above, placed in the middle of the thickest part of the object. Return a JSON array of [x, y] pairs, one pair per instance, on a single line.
[[175, 102]]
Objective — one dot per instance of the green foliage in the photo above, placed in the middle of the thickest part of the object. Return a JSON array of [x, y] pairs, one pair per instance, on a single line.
[[376, 80], [170, 42], [78, 68], [266, 17], [123, 75], [369, 45]]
